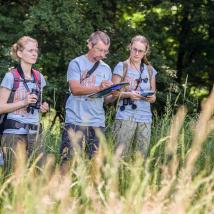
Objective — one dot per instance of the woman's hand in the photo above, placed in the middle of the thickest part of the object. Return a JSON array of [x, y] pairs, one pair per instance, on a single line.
[[150, 99], [134, 95], [116, 93], [30, 99], [44, 107]]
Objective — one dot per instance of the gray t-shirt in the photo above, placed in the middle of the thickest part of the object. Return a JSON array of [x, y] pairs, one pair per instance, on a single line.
[[143, 111], [81, 110], [21, 115]]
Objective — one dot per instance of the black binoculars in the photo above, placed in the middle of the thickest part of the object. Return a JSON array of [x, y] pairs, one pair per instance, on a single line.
[[32, 106], [128, 101]]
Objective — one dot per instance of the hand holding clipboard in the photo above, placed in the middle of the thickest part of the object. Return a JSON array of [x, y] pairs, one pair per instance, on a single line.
[[108, 90]]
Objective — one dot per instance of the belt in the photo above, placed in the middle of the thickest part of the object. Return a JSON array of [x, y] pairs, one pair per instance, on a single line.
[[13, 124]]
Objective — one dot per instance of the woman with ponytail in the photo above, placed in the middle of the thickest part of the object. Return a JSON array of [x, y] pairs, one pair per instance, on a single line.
[[134, 117], [21, 101]]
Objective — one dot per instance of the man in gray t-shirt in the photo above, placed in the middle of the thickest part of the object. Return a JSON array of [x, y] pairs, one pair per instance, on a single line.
[[85, 117]]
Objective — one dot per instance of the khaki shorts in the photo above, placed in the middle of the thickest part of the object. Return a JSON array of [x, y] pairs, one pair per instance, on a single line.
[[132, 136]]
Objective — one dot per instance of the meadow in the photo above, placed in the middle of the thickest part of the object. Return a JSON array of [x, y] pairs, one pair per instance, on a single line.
[[177, 176]]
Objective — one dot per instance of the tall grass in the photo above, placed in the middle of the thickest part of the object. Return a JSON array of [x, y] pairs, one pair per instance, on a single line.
[[177, 176]]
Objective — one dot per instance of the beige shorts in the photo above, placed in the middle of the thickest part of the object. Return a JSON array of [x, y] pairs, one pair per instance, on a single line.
[[132, 136]]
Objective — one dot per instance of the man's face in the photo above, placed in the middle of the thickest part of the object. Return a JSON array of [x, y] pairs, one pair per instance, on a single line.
[[98, 51]]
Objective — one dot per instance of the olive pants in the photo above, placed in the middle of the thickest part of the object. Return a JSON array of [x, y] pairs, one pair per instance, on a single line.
[[32, 144]]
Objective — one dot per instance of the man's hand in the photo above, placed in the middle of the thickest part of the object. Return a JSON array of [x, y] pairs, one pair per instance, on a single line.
[[105, 84]]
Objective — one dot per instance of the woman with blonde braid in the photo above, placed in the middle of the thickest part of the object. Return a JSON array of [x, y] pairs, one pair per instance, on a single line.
[[134, 117]]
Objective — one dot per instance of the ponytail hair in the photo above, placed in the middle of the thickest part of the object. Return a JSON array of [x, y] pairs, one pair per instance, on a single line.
[[20, 45]]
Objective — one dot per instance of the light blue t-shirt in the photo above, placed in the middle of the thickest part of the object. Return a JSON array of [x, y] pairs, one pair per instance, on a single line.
[[143, 111], [21, 115], [81, 110]]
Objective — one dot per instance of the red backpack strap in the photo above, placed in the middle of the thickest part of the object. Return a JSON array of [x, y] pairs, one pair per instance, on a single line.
[[16, 82], [16, 78], [37, 77]]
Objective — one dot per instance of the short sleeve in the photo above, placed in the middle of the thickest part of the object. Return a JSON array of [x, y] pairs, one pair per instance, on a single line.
[[107, 70], [7, 81], [43, 81], [110, 75], [118, 69], [154, 72], [73, 72]]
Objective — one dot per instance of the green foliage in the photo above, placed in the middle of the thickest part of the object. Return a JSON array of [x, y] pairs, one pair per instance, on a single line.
[[12, 15], [62, 33]]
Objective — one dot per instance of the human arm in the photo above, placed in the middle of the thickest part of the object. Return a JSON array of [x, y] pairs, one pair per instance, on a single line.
[[10, 107], [44, 107], [75, 74], [123, 94], [78, 90]]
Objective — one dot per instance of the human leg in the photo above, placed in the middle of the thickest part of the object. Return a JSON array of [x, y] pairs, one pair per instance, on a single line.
[[142, 138], [124, 131], [35, 147], [72, 137], [9, 144], [93, 137]]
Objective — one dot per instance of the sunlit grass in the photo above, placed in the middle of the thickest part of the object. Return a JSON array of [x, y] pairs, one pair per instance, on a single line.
[[177, 176]]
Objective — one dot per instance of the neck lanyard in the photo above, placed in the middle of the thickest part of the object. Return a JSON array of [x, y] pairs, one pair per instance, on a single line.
[[139, 80]]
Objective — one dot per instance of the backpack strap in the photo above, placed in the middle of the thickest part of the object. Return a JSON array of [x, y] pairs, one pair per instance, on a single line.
[[91, 71], [125, 70], [150, 72], [17, 79], [37, 78], [16, 82]]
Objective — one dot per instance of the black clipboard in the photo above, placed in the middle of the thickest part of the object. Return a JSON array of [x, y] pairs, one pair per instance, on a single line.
[[108, 90]]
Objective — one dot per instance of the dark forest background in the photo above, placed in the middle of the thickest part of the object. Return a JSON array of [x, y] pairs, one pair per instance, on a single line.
[[181, 34]]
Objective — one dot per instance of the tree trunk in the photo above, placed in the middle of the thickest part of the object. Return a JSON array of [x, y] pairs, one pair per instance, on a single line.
[[182, 38]]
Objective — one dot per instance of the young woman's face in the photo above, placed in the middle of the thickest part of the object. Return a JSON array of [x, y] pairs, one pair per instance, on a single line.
[[137, 51], [29, 54]]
